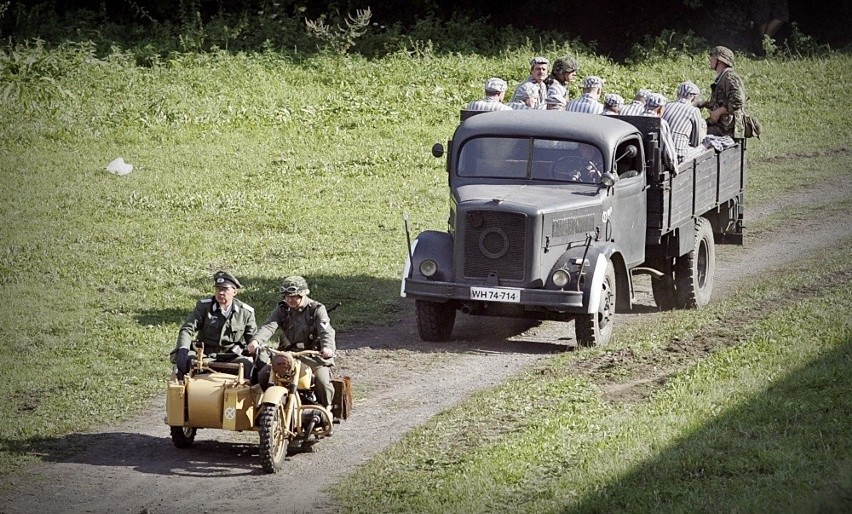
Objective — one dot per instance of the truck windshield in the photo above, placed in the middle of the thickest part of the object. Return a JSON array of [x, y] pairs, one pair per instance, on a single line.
[[530, 158]]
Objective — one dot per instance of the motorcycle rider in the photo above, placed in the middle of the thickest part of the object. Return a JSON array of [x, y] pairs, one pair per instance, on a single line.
[[222, 323], [305, 325]]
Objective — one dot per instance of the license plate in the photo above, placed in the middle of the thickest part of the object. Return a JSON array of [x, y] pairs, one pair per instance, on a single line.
[[493, 294]]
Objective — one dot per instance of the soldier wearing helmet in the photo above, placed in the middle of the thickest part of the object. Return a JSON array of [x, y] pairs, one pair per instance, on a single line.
[[564, 71], [727, 98], [304, 325], [222, 323]]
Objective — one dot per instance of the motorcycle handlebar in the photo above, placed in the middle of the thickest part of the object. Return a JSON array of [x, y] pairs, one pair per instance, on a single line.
[[273, 351]]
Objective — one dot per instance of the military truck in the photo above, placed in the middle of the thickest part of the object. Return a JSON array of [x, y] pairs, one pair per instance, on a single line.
[[553, 214]]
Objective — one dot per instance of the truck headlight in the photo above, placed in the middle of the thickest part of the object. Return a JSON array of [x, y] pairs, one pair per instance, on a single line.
[[561, 278], [428, 267]]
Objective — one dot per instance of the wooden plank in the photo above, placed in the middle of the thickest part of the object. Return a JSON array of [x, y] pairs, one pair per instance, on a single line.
[[730, 175], [705, 186], [680, 199]]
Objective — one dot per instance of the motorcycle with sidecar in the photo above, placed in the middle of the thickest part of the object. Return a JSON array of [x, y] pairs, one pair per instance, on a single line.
[[283, 411]]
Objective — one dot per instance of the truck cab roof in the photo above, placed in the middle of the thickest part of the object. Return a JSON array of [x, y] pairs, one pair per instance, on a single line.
[[604, 132]]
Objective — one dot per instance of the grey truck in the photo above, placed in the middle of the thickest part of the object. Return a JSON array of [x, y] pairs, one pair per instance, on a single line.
[[553, 213]]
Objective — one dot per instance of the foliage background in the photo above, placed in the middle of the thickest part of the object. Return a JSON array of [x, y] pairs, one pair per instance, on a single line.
[[611, 27]]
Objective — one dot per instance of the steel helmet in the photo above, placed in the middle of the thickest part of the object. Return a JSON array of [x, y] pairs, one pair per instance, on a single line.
[[295, 285], [723, 54]]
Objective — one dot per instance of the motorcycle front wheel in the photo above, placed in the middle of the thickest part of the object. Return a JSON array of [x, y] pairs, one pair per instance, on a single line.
[[273, 437]]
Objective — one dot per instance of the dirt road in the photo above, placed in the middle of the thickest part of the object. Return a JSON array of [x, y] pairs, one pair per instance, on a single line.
[[401, 382]]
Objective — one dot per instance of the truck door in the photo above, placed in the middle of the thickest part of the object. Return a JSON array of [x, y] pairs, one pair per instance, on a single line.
[[628, 214]]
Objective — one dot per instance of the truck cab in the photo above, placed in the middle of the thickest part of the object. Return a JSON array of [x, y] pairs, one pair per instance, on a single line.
[[548, 220]]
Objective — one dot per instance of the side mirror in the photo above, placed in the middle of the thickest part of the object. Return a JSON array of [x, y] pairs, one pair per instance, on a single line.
[[609, 179], [438, 150], [630, 152]]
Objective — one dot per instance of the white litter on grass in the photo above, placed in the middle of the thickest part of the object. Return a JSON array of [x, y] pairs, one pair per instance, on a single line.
[[119, 167]]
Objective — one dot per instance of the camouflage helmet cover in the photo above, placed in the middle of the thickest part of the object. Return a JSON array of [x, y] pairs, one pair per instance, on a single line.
[[723, 54], [294, 285], [565, 65]]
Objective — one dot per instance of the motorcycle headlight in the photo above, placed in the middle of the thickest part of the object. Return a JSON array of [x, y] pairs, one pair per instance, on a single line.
[[428, 268], [561, 278]]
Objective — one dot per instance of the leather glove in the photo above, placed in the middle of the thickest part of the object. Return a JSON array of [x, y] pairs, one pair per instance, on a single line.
[[182, 360]]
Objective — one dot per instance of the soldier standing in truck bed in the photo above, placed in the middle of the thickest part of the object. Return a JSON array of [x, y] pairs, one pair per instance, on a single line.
[[727, 98]]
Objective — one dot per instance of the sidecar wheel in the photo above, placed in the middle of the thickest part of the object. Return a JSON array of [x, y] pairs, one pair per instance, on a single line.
[[183, 437], [273, 438]]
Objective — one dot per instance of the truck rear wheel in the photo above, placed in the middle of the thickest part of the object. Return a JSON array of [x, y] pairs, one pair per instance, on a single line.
[[663, 287], [694, 271], [595, 329], [435, 320]]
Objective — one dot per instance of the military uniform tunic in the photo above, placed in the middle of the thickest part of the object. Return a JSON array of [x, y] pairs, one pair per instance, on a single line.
[[728, 90], [305, 328], [220, 334], [299, 331]]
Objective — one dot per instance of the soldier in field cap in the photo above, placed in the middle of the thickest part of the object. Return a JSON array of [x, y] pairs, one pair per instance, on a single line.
[[222, 323], [727, 96]]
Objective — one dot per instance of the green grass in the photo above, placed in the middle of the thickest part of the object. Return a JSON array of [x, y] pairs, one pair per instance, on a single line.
[[760, 424], [265, 166]]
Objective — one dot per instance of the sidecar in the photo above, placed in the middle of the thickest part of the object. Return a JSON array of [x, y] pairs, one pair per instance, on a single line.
[[218, 395], [211, 396]]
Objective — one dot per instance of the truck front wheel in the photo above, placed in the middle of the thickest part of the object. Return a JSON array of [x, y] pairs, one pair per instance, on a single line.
[[694, 271], [435, 320], [595, 329]]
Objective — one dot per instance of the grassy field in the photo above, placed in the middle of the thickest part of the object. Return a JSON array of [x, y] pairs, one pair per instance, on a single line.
[[742, 407], [265, 166]]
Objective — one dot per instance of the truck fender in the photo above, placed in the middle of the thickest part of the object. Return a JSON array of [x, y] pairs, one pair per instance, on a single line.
[[598, 256], [434, 245], [593, 293], [274, 395]]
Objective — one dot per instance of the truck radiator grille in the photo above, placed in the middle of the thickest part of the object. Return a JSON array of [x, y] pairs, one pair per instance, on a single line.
[[494, 242]]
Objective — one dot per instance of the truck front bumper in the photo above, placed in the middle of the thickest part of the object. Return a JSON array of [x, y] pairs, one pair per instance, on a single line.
[[554, 300]]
